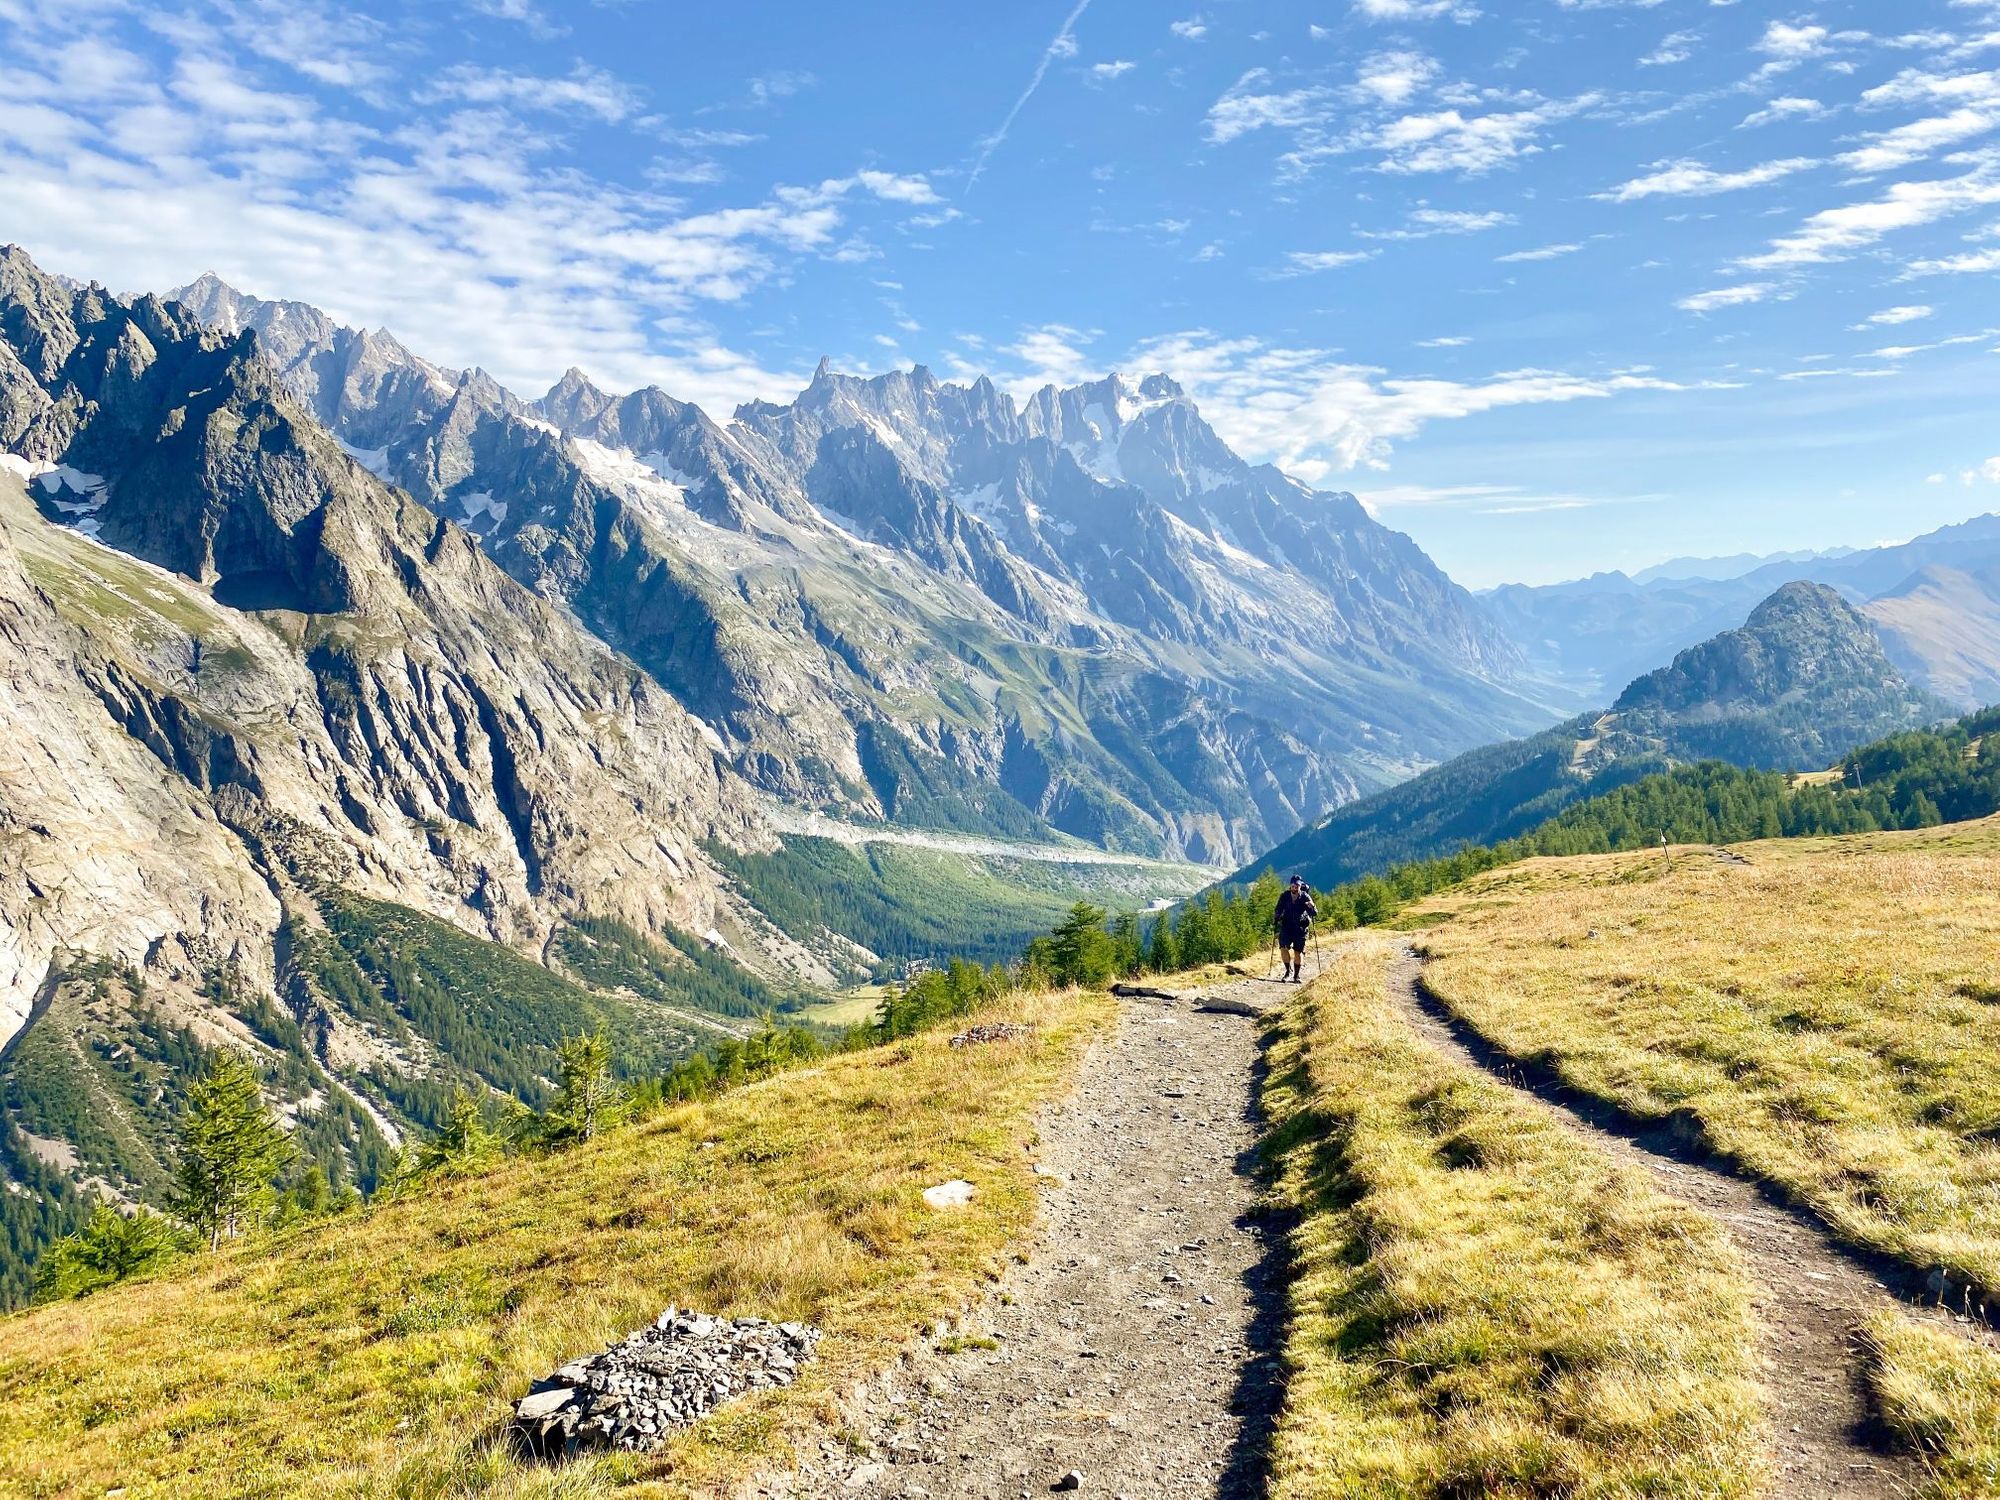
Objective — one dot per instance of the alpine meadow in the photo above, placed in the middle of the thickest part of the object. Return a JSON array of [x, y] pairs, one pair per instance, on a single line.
[[1246, 753]]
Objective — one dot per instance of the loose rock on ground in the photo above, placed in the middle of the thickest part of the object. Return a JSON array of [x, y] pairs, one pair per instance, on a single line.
[[640, 1391]]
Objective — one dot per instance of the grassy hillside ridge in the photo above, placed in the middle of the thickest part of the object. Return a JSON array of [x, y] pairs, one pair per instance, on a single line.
[[1827, 1010], [389, 1010], [1483, 1304], [1800, 684], [377, 1354], [1914, 780]]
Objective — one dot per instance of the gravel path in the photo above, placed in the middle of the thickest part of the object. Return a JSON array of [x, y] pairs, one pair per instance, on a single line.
[[1136, 1345], [1810, 1293]]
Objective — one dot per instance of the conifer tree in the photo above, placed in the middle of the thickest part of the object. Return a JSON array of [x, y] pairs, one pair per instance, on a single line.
[[230, 1150], [463, 1143]]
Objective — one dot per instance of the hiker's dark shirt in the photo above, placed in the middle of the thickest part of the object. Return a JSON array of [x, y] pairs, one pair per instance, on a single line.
[[1295, 913]]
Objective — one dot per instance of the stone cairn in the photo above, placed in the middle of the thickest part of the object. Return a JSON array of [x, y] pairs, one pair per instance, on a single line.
[[639, 1392]]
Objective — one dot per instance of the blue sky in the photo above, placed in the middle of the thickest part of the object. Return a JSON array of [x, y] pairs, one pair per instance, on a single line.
[[1554, 285]]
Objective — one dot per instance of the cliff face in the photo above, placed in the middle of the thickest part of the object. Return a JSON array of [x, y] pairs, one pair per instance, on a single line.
[[238, 661]]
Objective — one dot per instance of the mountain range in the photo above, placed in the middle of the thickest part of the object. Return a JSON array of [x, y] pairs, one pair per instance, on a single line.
[[1801, 682], [393, 726], [898, 598]]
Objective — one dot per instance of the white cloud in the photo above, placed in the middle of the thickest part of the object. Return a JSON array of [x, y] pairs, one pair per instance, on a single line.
[[1787, 108], [1247, 106], [584, 90], [1394, 78], [1428, 223], [1729, 296], [1540, 252], [1450, 141], [1416, 10], [1316, 414], [1108, 70], [1789, 43], [1677, 48], [1193, 29], [1900, 352], [892, 188], [1972, 262], [1832, 233], [1986, 473], [1309, 262], [1454, 342], [1693, 180], [1918, 139], [1890, 317]]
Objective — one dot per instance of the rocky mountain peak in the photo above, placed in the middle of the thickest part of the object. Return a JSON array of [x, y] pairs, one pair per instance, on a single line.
[[1804, 639]]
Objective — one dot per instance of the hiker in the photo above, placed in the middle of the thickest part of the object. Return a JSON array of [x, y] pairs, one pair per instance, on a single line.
[[1296, 913]]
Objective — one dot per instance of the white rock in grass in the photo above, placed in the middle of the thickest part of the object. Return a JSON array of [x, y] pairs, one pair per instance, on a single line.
[[954, 1194]]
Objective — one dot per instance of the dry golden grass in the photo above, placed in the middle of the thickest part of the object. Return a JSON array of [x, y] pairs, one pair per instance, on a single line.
[[1830, 1013], [377, 1354], [1484, 1303], [1942, 1394]]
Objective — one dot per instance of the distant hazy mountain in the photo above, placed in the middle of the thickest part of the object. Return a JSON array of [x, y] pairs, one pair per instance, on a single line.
[[906, 599], [1585, 637], [1800, 683], [1721, 569]]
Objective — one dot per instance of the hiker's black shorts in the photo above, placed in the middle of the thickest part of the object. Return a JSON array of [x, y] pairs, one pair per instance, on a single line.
[[1293, 937]]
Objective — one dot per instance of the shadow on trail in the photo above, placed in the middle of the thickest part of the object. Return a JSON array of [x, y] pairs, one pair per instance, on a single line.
[[1260, 1387]]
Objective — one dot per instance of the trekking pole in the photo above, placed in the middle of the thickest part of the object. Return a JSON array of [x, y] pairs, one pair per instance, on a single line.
[[1319, 954]]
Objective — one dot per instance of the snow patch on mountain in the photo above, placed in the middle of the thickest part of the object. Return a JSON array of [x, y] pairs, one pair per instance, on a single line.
[[77, 495], [374, 460], [481, 510]]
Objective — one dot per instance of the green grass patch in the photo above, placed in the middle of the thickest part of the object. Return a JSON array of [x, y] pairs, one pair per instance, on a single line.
[[1940, 1392], [1483, 1303]]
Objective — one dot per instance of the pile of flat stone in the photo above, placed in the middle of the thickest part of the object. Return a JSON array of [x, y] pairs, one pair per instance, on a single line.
[[992, 1031], [639, 1392]]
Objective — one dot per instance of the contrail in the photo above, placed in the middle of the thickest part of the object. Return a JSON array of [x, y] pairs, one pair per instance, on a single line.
[[1062, 46]]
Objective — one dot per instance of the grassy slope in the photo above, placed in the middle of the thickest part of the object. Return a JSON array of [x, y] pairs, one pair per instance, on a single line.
[[1483, 1304], [375, 1354], [1830, 1012]]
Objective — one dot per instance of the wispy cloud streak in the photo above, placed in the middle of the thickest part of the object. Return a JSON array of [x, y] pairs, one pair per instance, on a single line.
[[1064, 45]]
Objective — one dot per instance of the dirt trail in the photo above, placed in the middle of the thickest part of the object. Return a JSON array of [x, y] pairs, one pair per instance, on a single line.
[[1136, 1344], [1810, 1294]]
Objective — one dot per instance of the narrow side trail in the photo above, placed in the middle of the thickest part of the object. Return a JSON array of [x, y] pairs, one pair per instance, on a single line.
[[1810, 1293], [1136, 1345]]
